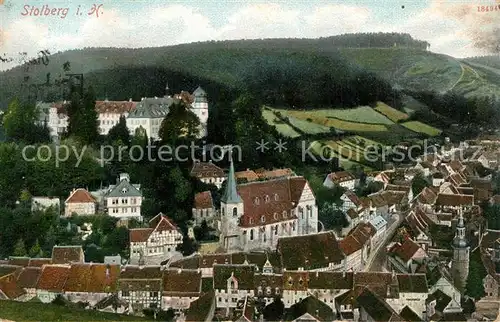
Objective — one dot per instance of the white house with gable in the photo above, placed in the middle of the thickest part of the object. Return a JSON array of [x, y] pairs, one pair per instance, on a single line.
[[153, 245]]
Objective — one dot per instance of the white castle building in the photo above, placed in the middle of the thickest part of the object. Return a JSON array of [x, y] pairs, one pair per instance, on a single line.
[[255, 215], [148, 113]]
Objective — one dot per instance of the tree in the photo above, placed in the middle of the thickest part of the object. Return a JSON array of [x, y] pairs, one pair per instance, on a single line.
[[20, 124], [180, 123], [474, 284], [83, 118], [419, 182], [331, 217], [188, 246], [19, 248], [120, 132], [35, 250], [492, 214]]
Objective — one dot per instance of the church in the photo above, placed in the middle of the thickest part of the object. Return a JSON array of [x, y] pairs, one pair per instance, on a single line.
[[255, 215]]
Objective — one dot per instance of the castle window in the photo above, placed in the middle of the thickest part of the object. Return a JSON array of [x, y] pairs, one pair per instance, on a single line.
[[266, 198], [268, 290], [277, 291], [276, 197], [284, 214], [235, 212], [275, 215], [257, 201], [250, 221], [223, 211], [301, 282], [263, 219]]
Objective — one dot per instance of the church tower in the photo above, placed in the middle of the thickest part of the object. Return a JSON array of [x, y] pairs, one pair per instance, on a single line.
[[231, 210], [460, 263], [200, 108]]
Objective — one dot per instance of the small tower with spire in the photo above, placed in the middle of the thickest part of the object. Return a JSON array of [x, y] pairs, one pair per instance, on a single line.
[[231, 211], [460, 263]]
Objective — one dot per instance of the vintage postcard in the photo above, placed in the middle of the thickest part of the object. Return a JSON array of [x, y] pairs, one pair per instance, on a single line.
[[248, 160]]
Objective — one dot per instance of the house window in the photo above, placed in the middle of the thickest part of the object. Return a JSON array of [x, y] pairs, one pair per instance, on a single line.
[[259, 290], [124, 201], [268, 290], [266, 198], [276, 197], [284, 214], [301, 212], [125, 293], [257, 201], [235, 212], [277, 290], [114, 201], [263, 219], [276, 230], [134, 201], [251, 234]]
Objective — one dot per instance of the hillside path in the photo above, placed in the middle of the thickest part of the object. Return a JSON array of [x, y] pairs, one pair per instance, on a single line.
[[459, 79]]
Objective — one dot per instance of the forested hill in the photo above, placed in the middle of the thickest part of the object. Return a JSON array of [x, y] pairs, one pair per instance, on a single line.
[[278, 65]]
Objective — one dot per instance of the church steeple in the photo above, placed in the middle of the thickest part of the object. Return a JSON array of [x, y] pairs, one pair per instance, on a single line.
[[460, 263], [460, 241], [231, 194]]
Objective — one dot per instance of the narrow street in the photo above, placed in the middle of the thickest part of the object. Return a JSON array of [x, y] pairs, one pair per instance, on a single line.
[[376, 262]]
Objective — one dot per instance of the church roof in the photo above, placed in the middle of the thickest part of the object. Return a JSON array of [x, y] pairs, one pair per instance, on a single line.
[[231, 195]]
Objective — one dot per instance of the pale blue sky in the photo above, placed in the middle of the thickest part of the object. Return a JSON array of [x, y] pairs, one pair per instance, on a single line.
[[449, 26]]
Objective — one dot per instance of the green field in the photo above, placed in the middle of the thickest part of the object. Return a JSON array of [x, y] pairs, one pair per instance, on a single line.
[[30, 311], [362, 114], [308, 127], [318, 147], [391, 113], [330, 118], [281, 127], [420, 127]]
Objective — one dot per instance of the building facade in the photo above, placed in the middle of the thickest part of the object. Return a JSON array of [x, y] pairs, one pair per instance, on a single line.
[[124, 200], [255, 215]]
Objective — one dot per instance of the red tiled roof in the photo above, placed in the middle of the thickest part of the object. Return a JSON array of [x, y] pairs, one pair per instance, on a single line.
[[427, 196], [162, 223], [53, 278], [270, 200], [29, 277], [92, 278], [39, 262], [180, 281], [276, 173], [341, 176], [357, 238], [206, 170], [406, 250], [203, 200], [139, 235], [454, 200], [80, 196], [248, 174], [67, 254], [115, 107], [9, 287]]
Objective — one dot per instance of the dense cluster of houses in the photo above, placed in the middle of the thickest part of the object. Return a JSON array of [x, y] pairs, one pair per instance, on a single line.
[[271, 245], [146, 114]]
